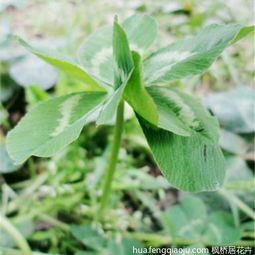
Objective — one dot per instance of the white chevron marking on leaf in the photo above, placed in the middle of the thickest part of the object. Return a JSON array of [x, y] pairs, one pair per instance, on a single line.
[[170, 56], [167, 60], [185, 113], [66, 109], [158, 74], [99, 58]]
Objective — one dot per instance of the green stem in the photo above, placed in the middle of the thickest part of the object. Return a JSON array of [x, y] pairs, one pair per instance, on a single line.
[[114, 155], [31, 168], [16, 235], [242, 206]]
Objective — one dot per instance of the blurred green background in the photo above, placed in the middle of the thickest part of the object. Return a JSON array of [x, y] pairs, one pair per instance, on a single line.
[[52, 202]]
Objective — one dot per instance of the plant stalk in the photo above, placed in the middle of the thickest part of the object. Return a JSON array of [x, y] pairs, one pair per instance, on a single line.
[[16, 235], [114, 155], [242, 206]]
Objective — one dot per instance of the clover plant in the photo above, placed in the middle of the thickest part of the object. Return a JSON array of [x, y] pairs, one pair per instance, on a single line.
[[116, 63]]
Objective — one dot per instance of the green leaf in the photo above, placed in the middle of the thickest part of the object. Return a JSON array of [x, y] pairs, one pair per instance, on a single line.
[[108, 111], [191, 56], [180, 112], [243, 32], [237, 169], [193, 163], [141, 31], [123, 69], [123, 61], [88, 236], [95, 53], [221, 229], [234, 108], [35, 95], [169, 109], [233, 143], [187, 219], [32, 70], [137, 96], [51, 125], [124, 247], [6, 163], [213, 201], [63, 63]]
